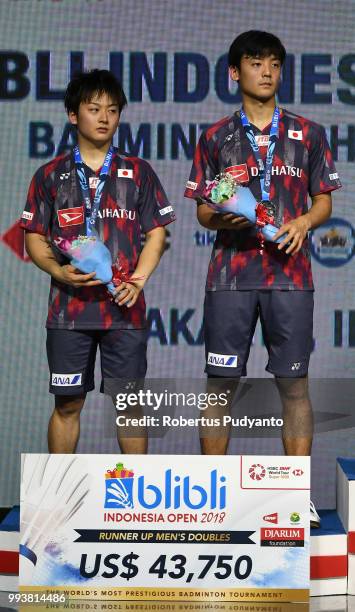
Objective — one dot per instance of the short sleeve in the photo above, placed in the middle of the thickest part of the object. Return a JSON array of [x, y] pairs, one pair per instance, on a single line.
[[323, 176], [154, 207], [204, 168], [37, 212]]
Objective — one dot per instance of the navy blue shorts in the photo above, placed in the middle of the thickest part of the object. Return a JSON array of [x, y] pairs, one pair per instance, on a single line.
[[72, 354], [286, 319]]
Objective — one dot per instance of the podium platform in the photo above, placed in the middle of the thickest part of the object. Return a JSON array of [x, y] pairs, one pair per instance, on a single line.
[[332, 549], [346, 509], [329, 556], [9, 547]]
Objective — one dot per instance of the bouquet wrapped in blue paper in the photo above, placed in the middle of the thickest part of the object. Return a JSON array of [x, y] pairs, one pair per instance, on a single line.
[[89, 254], [225, 195]]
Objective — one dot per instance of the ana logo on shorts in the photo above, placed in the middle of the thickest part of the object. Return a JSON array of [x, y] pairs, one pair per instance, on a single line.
[[257, 471], [222, 361], [66, 380]]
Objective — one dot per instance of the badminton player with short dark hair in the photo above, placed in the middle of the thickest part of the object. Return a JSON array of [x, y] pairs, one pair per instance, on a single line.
[[118, 196], [283, 158]]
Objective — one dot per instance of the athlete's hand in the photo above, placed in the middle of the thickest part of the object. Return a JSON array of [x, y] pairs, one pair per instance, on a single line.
[[296, 231], [72, 276], [127, 294], [234, 222]]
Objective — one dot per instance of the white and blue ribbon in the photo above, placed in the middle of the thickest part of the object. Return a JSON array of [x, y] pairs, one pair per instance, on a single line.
[[265, 170], [91, 210]]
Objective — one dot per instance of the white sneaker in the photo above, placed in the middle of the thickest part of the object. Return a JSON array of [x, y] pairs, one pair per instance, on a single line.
[[315, 518]]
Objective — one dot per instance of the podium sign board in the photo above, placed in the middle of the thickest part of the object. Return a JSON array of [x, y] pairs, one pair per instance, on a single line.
[[177, 527]]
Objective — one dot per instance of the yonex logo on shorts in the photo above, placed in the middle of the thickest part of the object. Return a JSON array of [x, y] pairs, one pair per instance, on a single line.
[[27, 215], [166, 210], [66, 380], [333, 176], [296, 365], [222, 361]]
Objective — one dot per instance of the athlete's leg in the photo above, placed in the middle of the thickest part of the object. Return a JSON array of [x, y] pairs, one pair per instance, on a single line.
[[214, 438], [71, 359], [137, 445], [64, 424], [124, 357], [297, 431], [287, 322], [229, 322]]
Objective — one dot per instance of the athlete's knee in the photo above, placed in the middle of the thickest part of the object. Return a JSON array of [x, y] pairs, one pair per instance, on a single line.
[[69, 407], [293, 389], [221, 384]]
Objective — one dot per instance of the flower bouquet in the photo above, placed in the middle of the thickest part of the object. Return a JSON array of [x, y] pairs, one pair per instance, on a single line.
[[225, 195], [89, 254]]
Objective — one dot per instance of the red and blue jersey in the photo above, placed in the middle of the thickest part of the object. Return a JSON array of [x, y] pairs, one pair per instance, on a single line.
[[302, 167], [133, 201]]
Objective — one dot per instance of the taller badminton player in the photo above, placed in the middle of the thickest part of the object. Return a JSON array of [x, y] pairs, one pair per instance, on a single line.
[[247, 276], [121, 197]]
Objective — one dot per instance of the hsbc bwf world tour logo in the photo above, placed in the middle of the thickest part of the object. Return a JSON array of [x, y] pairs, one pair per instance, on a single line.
[[257, 471]]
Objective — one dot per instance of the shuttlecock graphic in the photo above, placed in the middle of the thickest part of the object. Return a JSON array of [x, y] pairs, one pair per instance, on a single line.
[[120, 495], [53, 489]]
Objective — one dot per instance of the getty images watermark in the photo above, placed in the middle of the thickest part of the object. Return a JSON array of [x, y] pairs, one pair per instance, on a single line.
[[161, 404], [172, 400]]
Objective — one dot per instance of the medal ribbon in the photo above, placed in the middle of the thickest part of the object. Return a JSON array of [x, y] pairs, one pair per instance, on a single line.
[[92, 209], [264, 170]]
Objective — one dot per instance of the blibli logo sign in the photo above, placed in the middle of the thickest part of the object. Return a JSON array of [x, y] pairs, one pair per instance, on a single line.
[[222, 361], [175, 492]]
